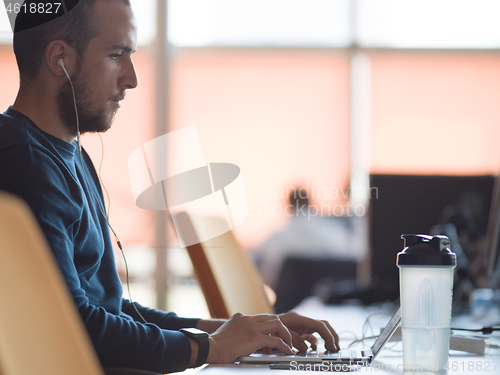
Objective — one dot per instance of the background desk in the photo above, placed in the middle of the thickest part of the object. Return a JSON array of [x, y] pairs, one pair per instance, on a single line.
[[348, 321]]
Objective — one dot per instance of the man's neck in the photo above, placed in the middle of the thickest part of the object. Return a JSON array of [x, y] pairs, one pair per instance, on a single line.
[[41, 108]]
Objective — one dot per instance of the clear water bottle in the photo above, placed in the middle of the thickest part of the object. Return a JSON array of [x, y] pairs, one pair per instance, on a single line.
[[426, 285]]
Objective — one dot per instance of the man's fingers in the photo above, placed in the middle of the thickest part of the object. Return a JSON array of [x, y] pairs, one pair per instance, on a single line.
[[299, 341], [328, 334], [272, 324], [335, 337], [277, 343], [302, 325], [268, 324], [311, 339], [277, 328]]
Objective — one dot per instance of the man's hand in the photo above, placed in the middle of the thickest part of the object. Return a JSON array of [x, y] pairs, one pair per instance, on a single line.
[[302, 328], [242, 335]]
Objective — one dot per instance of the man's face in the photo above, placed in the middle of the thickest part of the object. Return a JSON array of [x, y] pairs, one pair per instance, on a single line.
[[105, 72]]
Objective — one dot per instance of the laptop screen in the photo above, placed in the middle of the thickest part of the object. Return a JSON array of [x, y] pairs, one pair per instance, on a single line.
[[387, 333]]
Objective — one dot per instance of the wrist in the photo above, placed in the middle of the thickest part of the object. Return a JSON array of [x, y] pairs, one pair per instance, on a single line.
[[194, 352], [212, 352], [199, 346]]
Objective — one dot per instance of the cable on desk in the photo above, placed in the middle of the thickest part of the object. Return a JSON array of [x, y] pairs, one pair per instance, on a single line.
[[484, 330], [367, 325], [347, 331], [361, 340]]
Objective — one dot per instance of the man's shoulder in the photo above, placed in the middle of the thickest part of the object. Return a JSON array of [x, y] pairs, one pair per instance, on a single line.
[[30, 166], [20, 136], [24, 151], [13, 131]]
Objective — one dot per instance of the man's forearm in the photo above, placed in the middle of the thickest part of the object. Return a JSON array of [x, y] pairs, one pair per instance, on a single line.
[[210, 325]]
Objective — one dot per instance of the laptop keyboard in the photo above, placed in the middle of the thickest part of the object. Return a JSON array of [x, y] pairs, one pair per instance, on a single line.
[[342, 354]]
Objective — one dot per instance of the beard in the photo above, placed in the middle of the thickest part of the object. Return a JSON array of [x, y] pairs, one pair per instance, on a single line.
[[91, 119]]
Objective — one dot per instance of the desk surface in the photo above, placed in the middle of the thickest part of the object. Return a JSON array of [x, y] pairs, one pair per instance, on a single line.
[[349, 321]]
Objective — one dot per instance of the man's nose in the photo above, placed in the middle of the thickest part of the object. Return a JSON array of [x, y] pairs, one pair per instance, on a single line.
[[129, 79]]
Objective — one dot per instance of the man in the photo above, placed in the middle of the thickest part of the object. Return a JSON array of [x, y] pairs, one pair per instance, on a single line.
[[41, 162]]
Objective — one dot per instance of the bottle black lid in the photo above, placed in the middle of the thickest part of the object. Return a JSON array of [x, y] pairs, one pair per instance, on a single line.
[[425, 250]]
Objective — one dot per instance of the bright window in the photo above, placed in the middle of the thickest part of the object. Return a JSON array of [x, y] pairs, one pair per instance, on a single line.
[[435, 114], [307, 23], [429, 23]]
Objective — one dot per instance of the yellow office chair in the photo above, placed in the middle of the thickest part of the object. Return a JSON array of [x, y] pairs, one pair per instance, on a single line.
[[228, 278], [40, 330]]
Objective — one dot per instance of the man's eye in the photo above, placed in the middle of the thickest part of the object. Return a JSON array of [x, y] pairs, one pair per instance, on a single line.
[[115, 56]]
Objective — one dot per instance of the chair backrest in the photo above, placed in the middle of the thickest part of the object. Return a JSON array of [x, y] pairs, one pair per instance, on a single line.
[[228, 278], [40, 329]]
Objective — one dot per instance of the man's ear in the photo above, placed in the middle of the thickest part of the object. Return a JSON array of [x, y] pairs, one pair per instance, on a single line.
[[60, 50]]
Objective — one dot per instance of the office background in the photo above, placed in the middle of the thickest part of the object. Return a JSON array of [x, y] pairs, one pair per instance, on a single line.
[[318, 93]]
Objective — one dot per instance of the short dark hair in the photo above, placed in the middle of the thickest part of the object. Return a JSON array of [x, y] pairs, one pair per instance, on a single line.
[[76, 28], [298, 197]]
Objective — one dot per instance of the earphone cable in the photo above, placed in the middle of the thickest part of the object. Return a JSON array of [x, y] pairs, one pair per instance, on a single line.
[[97, 199], [108, 200]]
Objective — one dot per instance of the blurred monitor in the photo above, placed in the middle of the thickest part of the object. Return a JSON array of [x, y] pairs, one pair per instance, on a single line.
[[493, 243], [402, 204]]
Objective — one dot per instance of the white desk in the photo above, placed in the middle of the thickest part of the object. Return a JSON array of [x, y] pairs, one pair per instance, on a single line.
[[389, 361]]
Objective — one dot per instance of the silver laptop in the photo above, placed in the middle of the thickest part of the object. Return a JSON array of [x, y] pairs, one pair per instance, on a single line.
[[344, 356]]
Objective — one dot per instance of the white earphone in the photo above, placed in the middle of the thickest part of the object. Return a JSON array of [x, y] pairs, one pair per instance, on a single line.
[[60, 62]]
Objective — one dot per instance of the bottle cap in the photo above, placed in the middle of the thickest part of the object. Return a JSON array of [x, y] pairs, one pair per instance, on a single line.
[[425, 250]]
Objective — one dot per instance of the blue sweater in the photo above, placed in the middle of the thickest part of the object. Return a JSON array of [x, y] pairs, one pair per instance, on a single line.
[[47, 173]]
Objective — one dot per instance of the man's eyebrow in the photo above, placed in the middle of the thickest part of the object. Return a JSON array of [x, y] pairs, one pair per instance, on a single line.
[[123, 48]]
